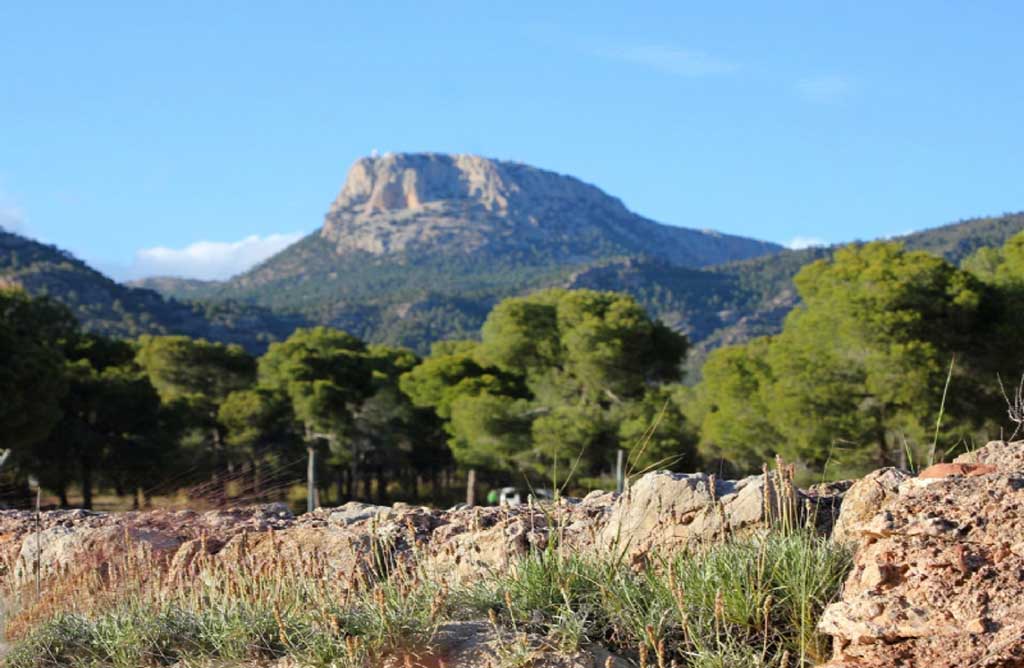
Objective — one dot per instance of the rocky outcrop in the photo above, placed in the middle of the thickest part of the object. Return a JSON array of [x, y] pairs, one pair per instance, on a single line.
[[938, 561], [668, 511], [422, 203], [938, 576], [662, 511], [66, 539]]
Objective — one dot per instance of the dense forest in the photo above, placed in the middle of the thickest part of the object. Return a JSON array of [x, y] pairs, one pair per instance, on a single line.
[[892, 356]]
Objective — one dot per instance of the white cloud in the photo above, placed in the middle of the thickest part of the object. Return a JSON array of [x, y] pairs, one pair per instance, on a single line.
[[209, 260], [673, 60], [12, 220], [798, 242], [824, 89]]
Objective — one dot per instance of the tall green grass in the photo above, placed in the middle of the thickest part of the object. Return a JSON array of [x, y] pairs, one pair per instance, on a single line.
[[750, 602], [743, 602]]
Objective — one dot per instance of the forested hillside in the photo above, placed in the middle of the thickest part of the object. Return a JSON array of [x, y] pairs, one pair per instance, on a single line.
[[419, 247], [104, 306], [892, 356], [767, 293]]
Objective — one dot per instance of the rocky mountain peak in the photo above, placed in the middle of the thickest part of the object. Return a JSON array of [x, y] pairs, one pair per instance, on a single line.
[[413, 201], [397, 181], [379, 185]]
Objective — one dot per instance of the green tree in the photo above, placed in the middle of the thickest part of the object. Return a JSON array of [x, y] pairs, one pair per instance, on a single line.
[[865, 356], [656, 432], [391, 432], [551, 382], [34, 333], [733, 399], [111, 427], [260, 429], [193, 378], [179, 366], [326, 375], [858, 372]]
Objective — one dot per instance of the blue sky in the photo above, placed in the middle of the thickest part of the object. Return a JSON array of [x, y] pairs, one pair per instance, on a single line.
[[196, 137]]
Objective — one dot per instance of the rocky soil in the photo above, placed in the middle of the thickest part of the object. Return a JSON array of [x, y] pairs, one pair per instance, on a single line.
[[939, 557]]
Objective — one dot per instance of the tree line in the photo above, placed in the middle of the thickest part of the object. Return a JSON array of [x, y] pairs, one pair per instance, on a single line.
[[892, 357], [559, 381]]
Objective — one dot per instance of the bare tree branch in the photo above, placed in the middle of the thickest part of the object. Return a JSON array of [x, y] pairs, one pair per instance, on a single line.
[[1014, 407]]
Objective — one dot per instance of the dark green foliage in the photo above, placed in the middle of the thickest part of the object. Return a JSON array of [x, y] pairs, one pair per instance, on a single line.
[[856, 377], [411, 300], [323, 372], [560, 381], [33, 336]]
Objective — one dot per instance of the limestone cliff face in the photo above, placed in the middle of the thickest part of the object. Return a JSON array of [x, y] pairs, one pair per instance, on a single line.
[[428, 203]]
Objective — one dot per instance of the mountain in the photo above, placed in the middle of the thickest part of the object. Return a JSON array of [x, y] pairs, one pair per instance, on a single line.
[[418, 205], [420, 246], [104, 306]]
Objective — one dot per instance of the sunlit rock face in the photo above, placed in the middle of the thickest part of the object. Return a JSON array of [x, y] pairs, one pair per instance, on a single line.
[[429, 203]]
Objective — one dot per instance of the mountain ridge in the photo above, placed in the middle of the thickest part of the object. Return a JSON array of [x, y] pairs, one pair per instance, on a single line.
[[419, 247], [105, 306], [431, 229]]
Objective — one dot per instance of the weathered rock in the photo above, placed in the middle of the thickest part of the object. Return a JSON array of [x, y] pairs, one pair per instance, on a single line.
[[483, 541], [354, 511], [78, 539], [941, 586], [956, 469], [864, 500], [1006, 456], [435, 204], [59, 548], [821, 504], [666, 511]]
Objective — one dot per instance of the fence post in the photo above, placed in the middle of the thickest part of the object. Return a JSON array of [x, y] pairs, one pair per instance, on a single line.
[[620, 473], [471, 488], [311, 492]]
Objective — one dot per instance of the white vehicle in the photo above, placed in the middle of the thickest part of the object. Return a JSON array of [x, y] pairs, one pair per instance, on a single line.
[[513, 496]]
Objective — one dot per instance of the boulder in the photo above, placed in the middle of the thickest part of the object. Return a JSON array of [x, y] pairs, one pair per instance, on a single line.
[[667, 511], [937, 580], [481, 541], [59, 548]]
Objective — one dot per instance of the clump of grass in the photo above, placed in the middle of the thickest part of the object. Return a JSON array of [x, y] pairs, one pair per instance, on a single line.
[[742, 602], [752, 601], [125, 615]]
